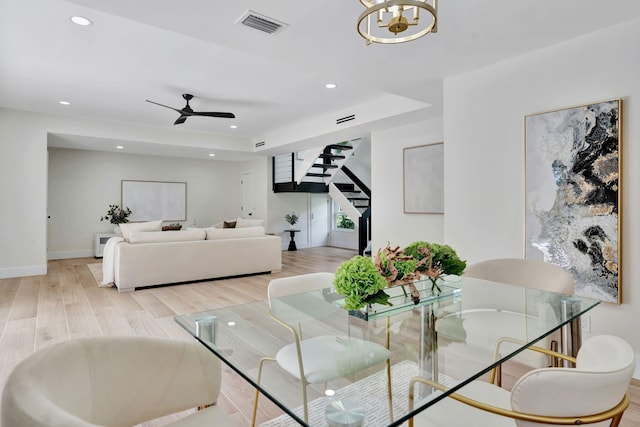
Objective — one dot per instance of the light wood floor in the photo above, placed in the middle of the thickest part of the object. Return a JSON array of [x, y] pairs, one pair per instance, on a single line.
[[66, 303]]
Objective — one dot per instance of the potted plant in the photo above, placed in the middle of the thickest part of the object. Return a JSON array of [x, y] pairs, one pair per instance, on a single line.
[[291, 218], [116, 215], [360, 282]]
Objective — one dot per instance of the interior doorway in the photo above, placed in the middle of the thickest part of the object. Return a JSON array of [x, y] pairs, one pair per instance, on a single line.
[[318, 219], [248, 195]]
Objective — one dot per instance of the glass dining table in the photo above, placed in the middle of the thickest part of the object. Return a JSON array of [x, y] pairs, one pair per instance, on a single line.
[[450, 336]]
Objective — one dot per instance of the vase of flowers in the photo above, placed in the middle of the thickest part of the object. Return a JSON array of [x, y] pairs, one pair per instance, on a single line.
[[292, 219], [116, 216]]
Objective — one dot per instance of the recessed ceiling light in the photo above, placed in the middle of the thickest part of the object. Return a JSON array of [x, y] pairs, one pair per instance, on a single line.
[[81, 20], [233, 127], [64, 102], [119, 147], [330, 86], [212, 155]]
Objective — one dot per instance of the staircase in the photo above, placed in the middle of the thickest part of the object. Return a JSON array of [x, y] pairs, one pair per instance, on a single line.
[[321, 171]]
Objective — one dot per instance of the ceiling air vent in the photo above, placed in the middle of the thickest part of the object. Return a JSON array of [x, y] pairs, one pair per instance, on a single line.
[[345, 119], [259, 144], [261, 22]]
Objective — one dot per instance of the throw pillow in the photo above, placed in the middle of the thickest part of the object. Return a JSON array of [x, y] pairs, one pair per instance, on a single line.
[[172, 227], [229, 224], [130, 227], [159, 236], [234, 233], [244, 222]]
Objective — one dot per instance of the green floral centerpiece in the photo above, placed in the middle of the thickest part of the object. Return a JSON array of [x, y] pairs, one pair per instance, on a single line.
[[116, 215], [362, 280], [361, 284]]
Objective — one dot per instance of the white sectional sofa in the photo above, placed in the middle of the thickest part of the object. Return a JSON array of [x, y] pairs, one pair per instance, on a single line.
[[148, 258]]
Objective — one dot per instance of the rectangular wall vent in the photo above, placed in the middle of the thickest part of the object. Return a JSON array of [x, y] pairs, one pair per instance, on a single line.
[[259, 144], [261, 22], [345, 119]]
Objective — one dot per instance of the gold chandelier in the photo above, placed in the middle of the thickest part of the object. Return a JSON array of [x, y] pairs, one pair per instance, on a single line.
[[397, 21]]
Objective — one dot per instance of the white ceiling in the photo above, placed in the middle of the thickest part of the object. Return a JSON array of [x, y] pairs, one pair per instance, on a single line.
[[160, 49]]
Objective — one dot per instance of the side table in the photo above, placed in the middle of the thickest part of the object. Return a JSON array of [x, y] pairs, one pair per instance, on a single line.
[[292, 243]]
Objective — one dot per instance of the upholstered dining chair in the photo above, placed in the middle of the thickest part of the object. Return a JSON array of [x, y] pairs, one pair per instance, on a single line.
[[113, 381], [592, 393], [316, 360], [526, 273]]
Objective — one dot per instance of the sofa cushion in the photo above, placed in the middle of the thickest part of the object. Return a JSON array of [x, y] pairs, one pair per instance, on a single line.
[[159, 236], [244, 222], [129, 228], [233, 233]]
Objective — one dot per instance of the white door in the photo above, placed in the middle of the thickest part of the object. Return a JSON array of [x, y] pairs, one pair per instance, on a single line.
[[248, 195], [319, 219]]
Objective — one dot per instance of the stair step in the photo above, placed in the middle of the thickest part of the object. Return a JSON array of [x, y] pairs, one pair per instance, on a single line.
[[358, 198], [345, 187], [317, 174], [331, 156], [339, 147], [325, 166]]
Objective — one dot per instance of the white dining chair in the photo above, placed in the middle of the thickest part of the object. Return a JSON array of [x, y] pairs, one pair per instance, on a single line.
[[525, 273], [114, 381], [593, 393], [319, 359]]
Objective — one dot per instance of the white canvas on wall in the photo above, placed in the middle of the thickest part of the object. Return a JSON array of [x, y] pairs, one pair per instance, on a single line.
[[153, 200], [424, 179]]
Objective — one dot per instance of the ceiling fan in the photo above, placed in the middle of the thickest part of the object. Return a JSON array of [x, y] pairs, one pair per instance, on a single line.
[[187, 111]]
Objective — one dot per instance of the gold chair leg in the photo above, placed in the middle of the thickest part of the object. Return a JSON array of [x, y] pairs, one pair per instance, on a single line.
[[304, 400], [255, 400], [389, 394], [388, 345]]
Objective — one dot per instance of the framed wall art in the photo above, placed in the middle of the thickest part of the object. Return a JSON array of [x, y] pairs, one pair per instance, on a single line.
[[573, 196], [153, 200], [424, 179]]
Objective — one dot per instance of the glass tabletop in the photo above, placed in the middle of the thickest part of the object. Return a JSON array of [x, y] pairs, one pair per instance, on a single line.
[[450, 338]]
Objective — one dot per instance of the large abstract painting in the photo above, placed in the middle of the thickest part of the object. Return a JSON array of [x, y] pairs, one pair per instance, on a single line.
[[572, 214]]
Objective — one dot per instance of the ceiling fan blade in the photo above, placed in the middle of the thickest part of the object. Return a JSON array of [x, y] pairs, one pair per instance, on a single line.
[[180, 120], [214, 114], [166, 106]]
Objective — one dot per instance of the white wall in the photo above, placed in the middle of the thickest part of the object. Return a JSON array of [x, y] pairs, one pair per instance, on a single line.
[[82, 184], [484, 150], [389, 222], [23, 163]]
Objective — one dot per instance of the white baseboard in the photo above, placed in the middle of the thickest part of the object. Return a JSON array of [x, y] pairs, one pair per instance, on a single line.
[[31, 270], [70, 254], [636, 373]]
